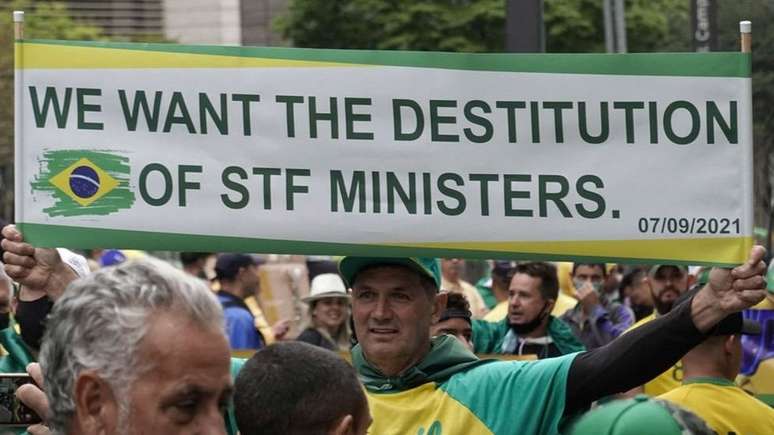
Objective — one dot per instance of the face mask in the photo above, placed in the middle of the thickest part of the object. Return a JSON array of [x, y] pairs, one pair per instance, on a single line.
[[526, 328], [31, 316], [579, 283]]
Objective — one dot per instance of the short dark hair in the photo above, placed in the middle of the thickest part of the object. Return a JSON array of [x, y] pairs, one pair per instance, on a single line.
[[287, 388], [188, 258], [549, 281], [601, 266], [457, 301], [632, 277], [457, 306]]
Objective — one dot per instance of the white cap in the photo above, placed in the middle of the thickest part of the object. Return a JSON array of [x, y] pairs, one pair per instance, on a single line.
[[745, 26], [76, 262], [327, 285], [18, 16]]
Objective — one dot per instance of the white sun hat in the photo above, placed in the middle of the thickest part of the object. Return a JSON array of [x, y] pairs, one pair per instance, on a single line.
[[327, 285]]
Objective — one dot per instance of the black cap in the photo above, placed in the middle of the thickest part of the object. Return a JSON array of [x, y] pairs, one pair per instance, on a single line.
[[501, 268], [732, 324], [227, 266]]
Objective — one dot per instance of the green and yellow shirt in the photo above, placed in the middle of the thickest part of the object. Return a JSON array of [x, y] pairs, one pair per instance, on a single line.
[[451, 392], [726, 408]]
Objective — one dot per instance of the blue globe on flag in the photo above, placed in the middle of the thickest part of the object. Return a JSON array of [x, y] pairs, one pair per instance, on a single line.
[[84, 181]]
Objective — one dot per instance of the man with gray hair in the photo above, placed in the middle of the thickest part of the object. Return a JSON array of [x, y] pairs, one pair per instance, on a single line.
[[137, 348]]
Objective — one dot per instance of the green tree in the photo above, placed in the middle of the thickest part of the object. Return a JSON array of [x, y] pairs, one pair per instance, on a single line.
[[396, 24], [43, 20], [761, 13], [476, 26]]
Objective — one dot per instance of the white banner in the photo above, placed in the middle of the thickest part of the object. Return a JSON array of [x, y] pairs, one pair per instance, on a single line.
[[634, 157]]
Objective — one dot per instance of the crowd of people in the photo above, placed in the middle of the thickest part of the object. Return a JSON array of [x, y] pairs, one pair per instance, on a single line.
[[386, 346]]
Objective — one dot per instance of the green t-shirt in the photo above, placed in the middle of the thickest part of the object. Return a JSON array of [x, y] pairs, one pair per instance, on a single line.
[[450, 392], [230, 418], [488, 336]]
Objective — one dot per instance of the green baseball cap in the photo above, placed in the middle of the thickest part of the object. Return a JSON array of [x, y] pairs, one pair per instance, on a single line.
[[641, 415], [349, 267]]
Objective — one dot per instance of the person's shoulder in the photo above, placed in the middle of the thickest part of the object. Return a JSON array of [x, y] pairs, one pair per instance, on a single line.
[[499, 370], [642, 321], [679, 394], [238, 314], [309, 335], [498, 313], [467, 286]]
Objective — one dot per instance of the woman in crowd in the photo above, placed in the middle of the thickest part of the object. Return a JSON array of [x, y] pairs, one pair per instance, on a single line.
[[328, 312]]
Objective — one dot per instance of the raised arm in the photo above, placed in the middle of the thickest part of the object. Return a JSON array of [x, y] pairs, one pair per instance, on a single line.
[[639, 355], [35, 268]]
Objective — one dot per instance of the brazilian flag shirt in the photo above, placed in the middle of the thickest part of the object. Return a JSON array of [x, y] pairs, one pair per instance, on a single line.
[[451, 392], [726, 408]]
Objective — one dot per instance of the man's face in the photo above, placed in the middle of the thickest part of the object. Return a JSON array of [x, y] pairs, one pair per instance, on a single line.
[[525, 302], [639, 292], [451, 268], [667, 284], [188, 385], [392, 313], [588, 275], [459, 328]]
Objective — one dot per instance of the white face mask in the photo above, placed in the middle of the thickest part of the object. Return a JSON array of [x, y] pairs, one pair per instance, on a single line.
[[579, 283]]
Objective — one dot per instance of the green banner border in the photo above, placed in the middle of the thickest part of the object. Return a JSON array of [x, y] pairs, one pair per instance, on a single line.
[[44, 235], [717, 64]]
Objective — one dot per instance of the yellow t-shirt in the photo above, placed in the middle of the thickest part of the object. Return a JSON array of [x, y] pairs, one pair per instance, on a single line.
[[667, 381], [766, 304], [726, 408], [499, 312], [563, 304]]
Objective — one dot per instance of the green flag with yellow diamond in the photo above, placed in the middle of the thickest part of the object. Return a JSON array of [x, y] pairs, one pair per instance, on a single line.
[[84, 182]]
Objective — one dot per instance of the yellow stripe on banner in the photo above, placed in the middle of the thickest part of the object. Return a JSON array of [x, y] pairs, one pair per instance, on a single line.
[[43, 56], [725, 250]]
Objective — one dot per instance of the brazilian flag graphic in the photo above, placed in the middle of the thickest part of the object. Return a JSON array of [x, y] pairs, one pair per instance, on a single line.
[[84, 182]]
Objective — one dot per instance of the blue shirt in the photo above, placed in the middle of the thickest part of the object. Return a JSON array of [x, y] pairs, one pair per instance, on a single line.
[[240, 324]]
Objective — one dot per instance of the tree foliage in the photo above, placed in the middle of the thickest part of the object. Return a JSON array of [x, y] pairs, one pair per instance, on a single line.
[[475, 26], [761, 13]]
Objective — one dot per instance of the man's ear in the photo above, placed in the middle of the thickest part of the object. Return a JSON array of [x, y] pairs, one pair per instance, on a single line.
[[344, 426], [439, 306], [550, 305], [96, 407], [728, 344]]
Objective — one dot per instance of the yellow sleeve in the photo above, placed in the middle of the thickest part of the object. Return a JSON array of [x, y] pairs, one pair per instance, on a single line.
[[260, 320]]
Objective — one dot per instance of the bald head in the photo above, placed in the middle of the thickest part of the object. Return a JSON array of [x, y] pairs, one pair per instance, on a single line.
[[718, 356]]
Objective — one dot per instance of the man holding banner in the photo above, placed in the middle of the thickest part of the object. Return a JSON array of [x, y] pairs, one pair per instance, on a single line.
[[394, 302], [253, 149], [419, 385]]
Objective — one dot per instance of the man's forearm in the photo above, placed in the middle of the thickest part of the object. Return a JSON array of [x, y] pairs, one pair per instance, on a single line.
[[631, 359]]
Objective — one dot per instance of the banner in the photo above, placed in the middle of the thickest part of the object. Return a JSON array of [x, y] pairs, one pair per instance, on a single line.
[[636, 157]]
